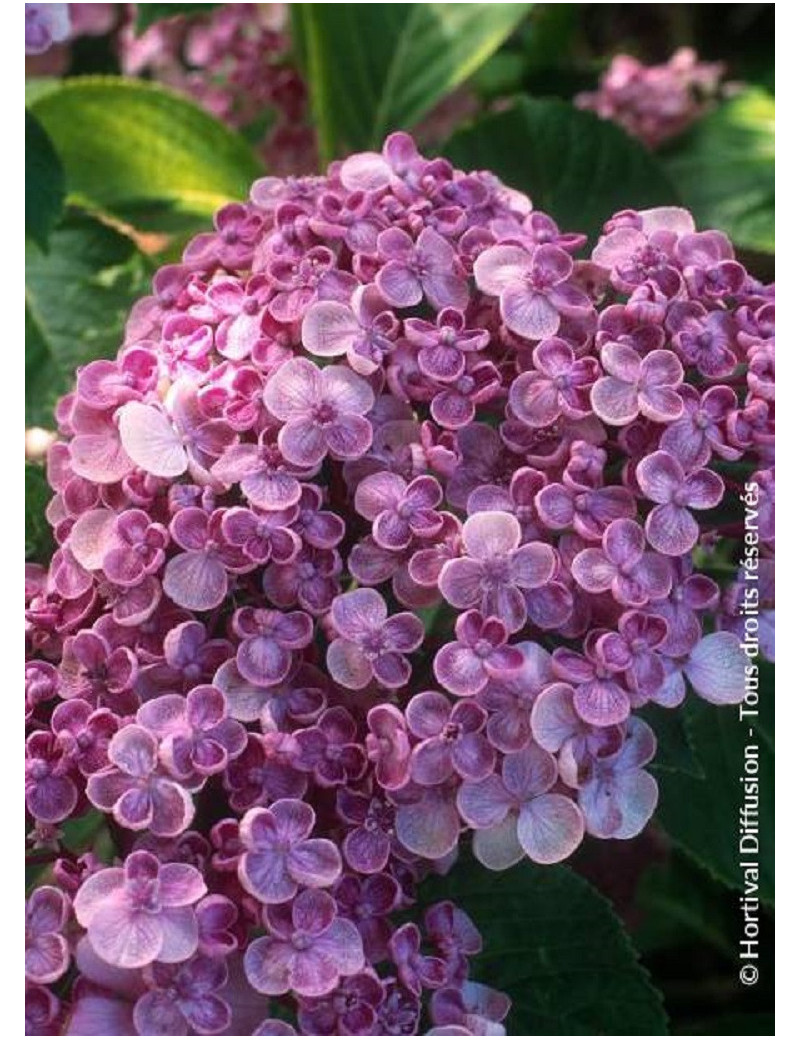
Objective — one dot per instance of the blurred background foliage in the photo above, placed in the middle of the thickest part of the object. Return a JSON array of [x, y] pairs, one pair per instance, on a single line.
[[122, 170]]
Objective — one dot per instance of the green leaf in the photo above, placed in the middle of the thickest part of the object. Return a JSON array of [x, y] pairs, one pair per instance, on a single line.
[[132, 148], [724, 169], [77, 299], [38, 537], [44, 182], [702, 815], [555, 946], [576, 167], [149, 14], [375, 68], [677, 904], [81, 833], [675, 753]]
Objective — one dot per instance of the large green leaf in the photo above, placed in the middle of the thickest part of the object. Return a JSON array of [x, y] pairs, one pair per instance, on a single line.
[[136, 150], [556, 947], [44, 182], [38, 538], [576, 167], [679, 904], [78, 295], [702, 815], [375, 68], [724, 169], [149, 14], [675, 752]]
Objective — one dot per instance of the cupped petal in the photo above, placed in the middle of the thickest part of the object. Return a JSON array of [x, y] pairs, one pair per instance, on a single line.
[[150, 440], [661, 404], [529, 313], [487, 535], [349, 437], [96, 891], [358, 613], [264, 875], [46, 958], [245, 700], [429, 827], [173, 808], [398, 284], [500, 266], [461, 582], [717, 668], [614, 401], [553, 718], [293, 389], [157, 1014], [378, 492], [125, 938], [180, 934], [267, 964], [427, 714], [473, 757], [315, 863], [704, 489], [431, 763], [302, 442], [133, 750], [196, 580], [347, 664], [92, 536], [403, 632], [329, 329], [621, 361], [348, 391], [180, 884], [620, 809], [659, 475], [550, 828], [593, 571], [391, 670], [624, 542], [534, 400], [498, 847], [533, 565], [671, 530], [459, 670], [602, 703], [484, 803], [263, 661]]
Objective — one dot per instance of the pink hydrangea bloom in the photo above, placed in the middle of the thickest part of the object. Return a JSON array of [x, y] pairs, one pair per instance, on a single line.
[[341, 587]]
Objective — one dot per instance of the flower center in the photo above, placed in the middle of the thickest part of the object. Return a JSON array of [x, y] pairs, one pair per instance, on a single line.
[[324, 412]]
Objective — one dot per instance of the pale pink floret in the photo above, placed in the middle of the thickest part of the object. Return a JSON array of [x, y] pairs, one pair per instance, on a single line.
[[141, 912]]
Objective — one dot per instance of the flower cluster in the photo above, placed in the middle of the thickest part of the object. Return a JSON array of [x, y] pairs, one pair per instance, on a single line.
[[655, 102], [386, 519], [234, 62]]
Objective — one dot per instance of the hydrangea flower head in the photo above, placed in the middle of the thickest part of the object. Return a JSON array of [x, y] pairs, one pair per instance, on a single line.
[[377, 534]]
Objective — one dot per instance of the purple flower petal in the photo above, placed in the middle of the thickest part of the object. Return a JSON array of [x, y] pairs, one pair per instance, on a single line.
[[550, 828], [150, 439], [196, 580], [717, 668]]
